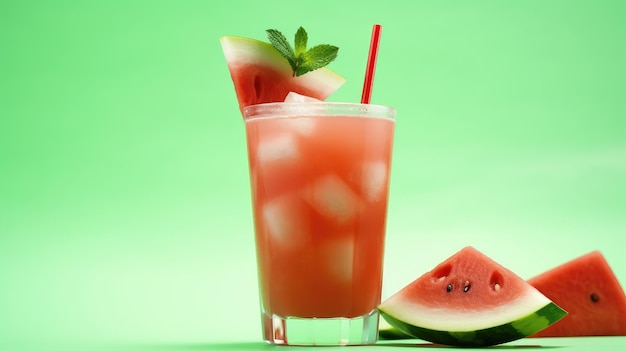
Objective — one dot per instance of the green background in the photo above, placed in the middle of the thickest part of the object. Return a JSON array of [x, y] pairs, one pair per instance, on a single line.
[[124, 198]]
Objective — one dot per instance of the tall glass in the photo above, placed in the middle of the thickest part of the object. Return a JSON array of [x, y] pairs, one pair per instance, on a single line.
[[320, 181]]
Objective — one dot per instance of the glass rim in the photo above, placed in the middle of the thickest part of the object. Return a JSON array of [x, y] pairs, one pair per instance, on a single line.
[[318, 109]]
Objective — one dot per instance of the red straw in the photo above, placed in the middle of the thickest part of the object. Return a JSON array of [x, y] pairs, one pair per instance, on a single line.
[[371, 65]]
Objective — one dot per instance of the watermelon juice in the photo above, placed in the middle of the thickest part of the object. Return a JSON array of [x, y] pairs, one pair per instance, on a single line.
[[319, 178]]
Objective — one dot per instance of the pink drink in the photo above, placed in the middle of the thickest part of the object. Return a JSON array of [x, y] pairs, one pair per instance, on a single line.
[[320, 177]]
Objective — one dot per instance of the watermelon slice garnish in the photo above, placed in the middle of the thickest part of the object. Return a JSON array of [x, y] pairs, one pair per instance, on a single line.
[[260, 74], [470, 300], [590, 292]]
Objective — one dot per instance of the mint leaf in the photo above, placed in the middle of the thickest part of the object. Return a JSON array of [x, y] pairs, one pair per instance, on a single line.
[[300, 41], [280, 43], [317, 57], [302, 60]]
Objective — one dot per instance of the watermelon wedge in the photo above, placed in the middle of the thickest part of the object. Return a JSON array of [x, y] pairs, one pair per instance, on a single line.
[[260, 74], [593, 297], [469, 300]]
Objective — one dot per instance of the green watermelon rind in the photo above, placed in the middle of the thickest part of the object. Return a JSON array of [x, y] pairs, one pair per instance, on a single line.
[[517, 329], [391, 333], [241, 50]]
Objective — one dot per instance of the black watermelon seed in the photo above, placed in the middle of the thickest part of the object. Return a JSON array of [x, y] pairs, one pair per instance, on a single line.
[[594, 297], [449, 288]]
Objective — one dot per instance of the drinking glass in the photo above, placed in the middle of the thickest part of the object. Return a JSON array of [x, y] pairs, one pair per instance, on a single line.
[[319, 174]]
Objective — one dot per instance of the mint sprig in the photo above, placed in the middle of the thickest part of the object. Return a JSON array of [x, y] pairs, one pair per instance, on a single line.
[[302, 60]]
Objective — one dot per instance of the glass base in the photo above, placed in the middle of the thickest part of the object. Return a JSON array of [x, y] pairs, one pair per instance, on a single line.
[[361, 330]]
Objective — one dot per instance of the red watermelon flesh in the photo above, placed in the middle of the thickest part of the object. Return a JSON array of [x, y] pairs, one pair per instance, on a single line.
[[261, 75], [477, 280], [591, 294]]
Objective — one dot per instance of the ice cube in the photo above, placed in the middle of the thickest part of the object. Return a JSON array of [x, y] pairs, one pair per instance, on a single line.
[[302, 125], [333, 198], [338, 258], [374, 181], [292, 96], [286, 222], [282, 147]]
